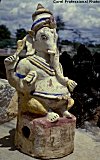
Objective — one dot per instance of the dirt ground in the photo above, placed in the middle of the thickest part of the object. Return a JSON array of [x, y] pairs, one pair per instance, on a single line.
[[87, 144]]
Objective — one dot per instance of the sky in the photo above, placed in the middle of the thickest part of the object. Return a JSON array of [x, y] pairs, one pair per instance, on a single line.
[[82, 20]]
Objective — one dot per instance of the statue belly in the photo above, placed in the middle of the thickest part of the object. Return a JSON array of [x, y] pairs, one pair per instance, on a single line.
[[49, 87]]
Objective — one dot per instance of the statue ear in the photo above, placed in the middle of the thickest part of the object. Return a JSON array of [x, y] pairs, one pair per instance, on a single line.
[[31, 33], [30, 45], [29, 39]]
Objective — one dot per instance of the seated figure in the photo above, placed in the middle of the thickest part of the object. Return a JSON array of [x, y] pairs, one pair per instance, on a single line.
[[38, 78]]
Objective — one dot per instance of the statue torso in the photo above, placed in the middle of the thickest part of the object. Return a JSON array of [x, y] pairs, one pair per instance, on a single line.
[[46, 84]]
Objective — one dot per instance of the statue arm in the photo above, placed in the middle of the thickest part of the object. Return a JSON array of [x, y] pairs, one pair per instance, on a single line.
[[22, 79], [10, 65], [59, 72], [27, 76], [70, 83]]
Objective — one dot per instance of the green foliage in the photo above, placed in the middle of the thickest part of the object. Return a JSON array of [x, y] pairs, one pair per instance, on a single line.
[[20, 34], [76, 45], [6, 43], [66, 42], [4, 32], [98, 45]]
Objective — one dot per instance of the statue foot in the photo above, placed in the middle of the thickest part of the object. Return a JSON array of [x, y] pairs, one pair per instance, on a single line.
[[67, 114], [63, 97], [52, 117]]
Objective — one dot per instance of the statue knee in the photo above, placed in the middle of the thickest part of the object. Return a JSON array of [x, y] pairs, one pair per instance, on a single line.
[[70, 103], [34, 106]]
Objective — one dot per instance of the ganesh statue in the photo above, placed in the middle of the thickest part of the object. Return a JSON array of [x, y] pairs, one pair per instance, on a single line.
[[42, 89]]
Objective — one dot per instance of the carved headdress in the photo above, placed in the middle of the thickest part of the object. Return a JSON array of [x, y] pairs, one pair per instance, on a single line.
[[42, 17]]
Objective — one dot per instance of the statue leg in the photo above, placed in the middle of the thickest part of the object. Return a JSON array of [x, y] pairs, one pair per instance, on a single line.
[[34, 106], [63, 105], [42, 106], [39, 106], [31, 105], [69, 105]]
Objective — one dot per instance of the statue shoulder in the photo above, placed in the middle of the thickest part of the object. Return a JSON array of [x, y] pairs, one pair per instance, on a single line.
[[23, 65], [24, 61]]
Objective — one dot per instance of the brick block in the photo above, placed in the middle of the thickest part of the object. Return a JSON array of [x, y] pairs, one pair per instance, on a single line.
[[40, 138]]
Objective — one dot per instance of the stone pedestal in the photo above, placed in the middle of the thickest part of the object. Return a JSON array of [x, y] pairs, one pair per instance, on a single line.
[[40, 138]]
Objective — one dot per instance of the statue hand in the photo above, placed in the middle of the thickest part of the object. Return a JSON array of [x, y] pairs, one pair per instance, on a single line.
[[71, 84], [31, 77], [11, 61]]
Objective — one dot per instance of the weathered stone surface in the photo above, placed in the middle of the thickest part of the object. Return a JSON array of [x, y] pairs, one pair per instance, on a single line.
[[8, 101], [41, 138]]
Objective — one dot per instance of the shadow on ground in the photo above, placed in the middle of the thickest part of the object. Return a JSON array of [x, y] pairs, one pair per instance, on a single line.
[[8, 141]]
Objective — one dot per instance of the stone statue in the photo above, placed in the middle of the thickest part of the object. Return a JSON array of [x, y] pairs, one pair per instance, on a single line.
[[43, 92], [38, 78]]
